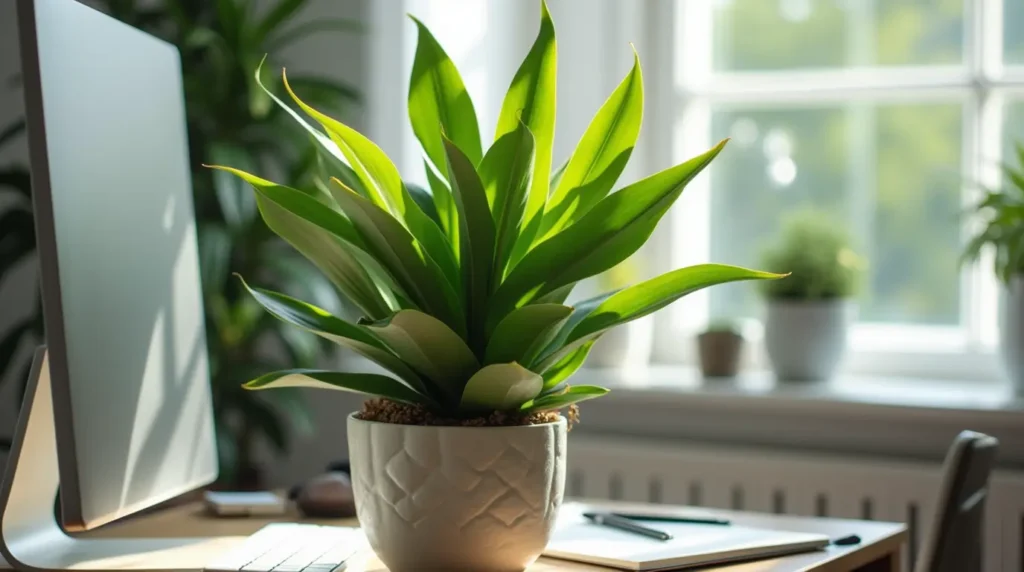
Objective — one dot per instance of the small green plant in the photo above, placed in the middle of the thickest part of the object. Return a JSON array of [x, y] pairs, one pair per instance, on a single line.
[[462, 288], [1003, 215], [817, 251]]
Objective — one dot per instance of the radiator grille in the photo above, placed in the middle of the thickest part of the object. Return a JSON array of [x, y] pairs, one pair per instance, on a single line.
[[765, 480]]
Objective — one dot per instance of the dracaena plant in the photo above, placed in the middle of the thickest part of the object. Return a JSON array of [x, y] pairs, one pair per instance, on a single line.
[[463, 287]]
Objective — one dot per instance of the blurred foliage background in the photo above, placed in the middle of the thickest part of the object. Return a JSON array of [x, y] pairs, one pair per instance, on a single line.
[[232, 121]]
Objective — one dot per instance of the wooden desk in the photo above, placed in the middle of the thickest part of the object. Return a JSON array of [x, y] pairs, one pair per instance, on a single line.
[[880, 549]]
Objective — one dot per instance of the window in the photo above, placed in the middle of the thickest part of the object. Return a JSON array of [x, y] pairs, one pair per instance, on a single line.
[[882, 113]]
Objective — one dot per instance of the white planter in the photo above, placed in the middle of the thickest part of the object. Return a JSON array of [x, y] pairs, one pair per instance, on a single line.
[[1011, 333], [454, 499], [806, 340]]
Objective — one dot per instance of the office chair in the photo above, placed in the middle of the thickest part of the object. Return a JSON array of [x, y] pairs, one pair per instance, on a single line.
[[954, 541]]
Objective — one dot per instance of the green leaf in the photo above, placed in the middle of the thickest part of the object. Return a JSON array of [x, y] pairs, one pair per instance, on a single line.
[[430, 347], [524, 332], [574, 394], [600, 156], [236, 201], [331, 92], [531, 100], [565, 367], [380, 179], [320, 235], [476, 245], [439, 103], [652, 295], [323, 324], [506, 172], [214, 256], [447, 211], [612, 231], [330, 156], [366, 383], [402, 256], [425, 200], [374, 169], [500, 387]]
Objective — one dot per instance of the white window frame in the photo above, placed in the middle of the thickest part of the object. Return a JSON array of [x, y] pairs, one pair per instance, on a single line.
[[981, 84]]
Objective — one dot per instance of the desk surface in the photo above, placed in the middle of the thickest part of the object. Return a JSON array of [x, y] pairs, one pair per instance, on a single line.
[[880, 549]]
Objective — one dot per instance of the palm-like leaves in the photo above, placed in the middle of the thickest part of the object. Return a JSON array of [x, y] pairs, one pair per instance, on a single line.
[[1003, 212], [462, 286]]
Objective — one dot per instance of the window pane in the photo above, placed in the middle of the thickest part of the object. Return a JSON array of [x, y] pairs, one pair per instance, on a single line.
[[786, 34], [1014, 128], [891, 172], [1013, 31]]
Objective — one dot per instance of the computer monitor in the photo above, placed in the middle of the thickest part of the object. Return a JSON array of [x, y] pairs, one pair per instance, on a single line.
[[118, 253]]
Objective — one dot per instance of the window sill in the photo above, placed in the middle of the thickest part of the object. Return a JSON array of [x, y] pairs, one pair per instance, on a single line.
[[879, 416]]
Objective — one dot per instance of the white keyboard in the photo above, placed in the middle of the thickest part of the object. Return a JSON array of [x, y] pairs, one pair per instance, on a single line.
[[288, 547]]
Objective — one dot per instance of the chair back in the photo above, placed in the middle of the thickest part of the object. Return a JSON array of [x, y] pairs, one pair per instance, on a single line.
[[955, 539]]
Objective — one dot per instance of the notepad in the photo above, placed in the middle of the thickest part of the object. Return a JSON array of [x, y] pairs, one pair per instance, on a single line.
[[691, 545]]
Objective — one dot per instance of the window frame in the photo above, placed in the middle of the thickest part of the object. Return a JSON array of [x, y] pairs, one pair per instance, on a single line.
[[981, 84]]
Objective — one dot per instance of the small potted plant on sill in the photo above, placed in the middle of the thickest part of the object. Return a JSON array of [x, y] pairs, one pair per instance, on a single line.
[[458, 461], [809, 312], [1002, 213], [720, 347]]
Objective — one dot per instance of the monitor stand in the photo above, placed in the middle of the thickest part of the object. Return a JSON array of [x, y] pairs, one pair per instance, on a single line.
[[30, 536]]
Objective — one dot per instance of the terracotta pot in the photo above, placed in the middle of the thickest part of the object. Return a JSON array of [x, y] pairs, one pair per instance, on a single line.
[[719, 353], [481, 499]]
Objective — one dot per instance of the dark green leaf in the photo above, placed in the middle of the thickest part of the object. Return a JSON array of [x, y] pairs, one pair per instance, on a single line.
[[403, 257], [524, 332], [506, 173], [283, 11], [476, 232]]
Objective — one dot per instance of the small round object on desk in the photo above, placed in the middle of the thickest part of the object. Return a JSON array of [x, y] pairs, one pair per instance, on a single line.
[[327, 496]]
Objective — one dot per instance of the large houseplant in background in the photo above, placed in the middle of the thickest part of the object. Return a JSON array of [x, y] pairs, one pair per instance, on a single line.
[[17, 243], [232, 120], [458, 463], [809, 313], [1002, 215]]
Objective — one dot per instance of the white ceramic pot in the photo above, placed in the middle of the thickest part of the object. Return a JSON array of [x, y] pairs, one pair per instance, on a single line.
[[1011, 333], [457, 499], [806, 340]]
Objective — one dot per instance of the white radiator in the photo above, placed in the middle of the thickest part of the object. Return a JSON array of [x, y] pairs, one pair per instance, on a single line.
[[765, 480]]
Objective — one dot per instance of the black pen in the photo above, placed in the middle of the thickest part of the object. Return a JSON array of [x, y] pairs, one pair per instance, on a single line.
[[679, 519], [622, 523]]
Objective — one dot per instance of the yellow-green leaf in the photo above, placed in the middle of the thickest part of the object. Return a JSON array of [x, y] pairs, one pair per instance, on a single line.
[[531, 100], [574, 394], [566, 366], [600, 156], [611, 232], [500, 387], [439, 103]]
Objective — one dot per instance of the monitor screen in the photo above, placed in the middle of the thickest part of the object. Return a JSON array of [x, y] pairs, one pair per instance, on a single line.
[[119, 262]]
